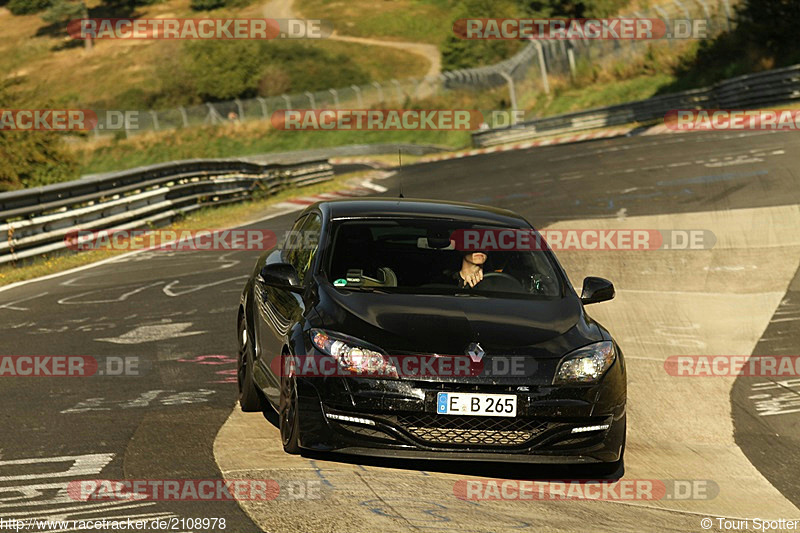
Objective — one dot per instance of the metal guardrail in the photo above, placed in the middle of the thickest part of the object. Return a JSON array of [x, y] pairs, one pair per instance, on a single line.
[[750, 91], [35, 221]]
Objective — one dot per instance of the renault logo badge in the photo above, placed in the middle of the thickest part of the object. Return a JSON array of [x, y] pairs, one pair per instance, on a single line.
[[475, 352]]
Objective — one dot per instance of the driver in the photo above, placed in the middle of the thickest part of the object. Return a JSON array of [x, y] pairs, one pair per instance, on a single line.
[[471, 272]]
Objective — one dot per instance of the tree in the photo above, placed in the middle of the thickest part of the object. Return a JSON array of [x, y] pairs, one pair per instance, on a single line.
[[772, 24], [463, 53], [30, 158], [207, 5], [27, 7], [63, 11], [574, 8], [222, 70]]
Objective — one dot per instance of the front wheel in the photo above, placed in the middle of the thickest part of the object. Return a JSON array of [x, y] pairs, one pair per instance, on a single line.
[[288, 414], [249, 398]]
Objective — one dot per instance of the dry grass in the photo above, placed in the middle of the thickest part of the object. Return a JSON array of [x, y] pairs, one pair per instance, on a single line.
[[401, 20], [57, 71]]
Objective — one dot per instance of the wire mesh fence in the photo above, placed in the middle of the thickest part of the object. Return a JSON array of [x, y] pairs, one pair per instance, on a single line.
[[535, 64]]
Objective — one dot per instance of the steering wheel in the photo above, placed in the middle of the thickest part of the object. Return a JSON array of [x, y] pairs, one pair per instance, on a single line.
[[500, 281]]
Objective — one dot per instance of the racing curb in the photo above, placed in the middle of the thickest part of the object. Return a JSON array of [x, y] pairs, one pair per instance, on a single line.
[[617, 132], [356, 187]]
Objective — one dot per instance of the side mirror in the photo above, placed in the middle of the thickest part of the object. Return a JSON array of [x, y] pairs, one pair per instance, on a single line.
[[596, 290], [282, 275]]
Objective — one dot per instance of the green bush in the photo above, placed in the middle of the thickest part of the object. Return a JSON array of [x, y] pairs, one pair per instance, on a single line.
[[223, 70], [33, 158], [308, 67], [573, 8], [207, 5], [465, 53], [30, 158], [27, 7], [763, 38]]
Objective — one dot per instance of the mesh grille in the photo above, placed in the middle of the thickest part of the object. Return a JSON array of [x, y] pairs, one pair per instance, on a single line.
[[471, 430]]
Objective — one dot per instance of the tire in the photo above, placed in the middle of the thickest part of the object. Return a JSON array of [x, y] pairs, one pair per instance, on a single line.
[[250, 399], [289, 415]]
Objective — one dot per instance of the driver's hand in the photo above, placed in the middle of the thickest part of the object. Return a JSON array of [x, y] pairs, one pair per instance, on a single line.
[[473, 278]]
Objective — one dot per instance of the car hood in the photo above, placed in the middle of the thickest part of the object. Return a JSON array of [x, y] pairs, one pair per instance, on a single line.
[[445, 324]]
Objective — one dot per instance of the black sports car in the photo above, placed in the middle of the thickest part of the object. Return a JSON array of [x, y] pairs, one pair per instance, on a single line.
[[374, 330]]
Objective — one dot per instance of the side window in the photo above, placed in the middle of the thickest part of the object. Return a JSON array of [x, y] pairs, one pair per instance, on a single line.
[[302, 243]]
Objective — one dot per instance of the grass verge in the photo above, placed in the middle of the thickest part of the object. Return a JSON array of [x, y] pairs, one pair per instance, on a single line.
[[236, 140], [424, 21]]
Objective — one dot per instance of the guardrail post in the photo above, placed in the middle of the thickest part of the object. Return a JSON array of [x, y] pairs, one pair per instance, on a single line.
[[380, 91], [727, 12], [398, 90], [683, 7], [512, 92], [184, 117], [667, 21], [335, 94], [357, 90], [311, 99], [542, 66], [212, 114], [241, 109], [154, 116], [705, 10], [287, 100], [419, 83], [263, 106], [571, 58]]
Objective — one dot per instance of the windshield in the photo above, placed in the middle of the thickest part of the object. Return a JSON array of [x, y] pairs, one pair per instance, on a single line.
[[422, 256]]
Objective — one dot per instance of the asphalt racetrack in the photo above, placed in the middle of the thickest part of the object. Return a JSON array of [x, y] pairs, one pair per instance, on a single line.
[[737, 439]]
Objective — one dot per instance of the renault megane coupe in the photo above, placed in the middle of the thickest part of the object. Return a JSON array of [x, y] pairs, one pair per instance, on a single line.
[[375, 329]]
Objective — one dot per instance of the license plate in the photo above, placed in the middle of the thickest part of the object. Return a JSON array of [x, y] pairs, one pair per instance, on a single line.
[[456, 403]]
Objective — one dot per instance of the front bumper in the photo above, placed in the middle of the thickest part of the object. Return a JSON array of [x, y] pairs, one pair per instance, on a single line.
[[390, 418]]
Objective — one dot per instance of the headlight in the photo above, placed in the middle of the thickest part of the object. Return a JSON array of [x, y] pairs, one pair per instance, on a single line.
[[351, 357], [586, 365]]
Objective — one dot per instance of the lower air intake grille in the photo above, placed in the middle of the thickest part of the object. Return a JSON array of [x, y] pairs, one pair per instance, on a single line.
[[471, 430]]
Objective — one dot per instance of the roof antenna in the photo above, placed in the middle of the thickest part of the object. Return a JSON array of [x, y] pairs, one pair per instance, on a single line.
[[400, 167]]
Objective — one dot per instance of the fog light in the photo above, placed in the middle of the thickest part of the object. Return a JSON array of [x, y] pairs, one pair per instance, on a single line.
[[353, 419], [585, 429]]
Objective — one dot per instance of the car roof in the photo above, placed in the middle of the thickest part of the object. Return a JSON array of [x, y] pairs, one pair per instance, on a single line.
[[416, 208]]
